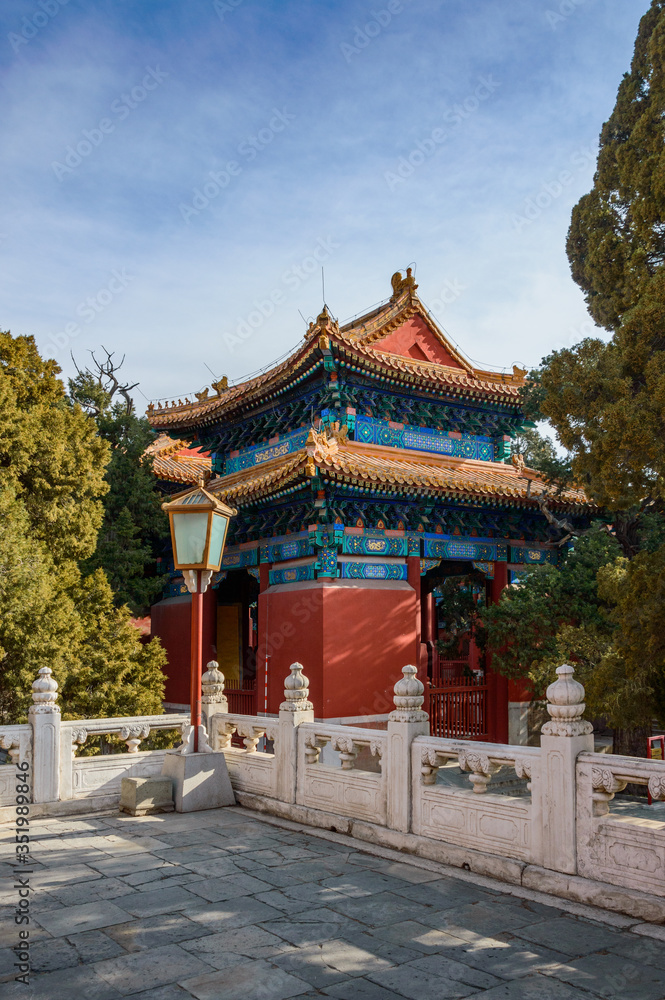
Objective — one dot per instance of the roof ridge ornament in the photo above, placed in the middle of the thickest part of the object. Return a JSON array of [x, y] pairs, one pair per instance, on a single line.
[[324, 324], [325, 443], [403, 284]]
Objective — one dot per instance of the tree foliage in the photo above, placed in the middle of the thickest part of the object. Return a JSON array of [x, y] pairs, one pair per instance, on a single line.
[[134, 529], [605, 398], [52, 465], [529, 628]]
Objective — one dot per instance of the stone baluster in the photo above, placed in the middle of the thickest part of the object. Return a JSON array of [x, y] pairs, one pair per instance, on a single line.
[[554, 797], [12, 745], [523, 770], [224, 734], [294, 710], [44, 717], [251, 737], [79, 738], [313, 747], [347, 749], [605, 786], [481, 768], [656, 785], [405, 723], [132, 736], [213, 699]]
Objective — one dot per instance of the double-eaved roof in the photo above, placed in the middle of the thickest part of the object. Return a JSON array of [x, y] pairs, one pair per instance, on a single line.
[[397, 345]]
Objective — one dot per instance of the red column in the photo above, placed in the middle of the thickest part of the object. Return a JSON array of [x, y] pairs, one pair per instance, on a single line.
[[196, 657], [415, 580], [262, 651], [498, 685]]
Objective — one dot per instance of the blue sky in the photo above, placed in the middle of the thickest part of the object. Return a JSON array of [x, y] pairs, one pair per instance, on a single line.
[[455, 135]]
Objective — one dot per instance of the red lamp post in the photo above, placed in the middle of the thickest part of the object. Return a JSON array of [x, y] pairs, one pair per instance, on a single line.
[[199, 524]]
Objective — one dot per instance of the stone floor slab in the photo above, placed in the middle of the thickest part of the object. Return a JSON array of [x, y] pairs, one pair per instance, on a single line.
[[171, 992], [361, 989], [535, 988], [232, 913], [307, 963], [488, 919], [507, 959], [311, 927], [414, 984], [95, 946], [245, 942], [153, 932], [613, 978], [447, 968], [574, 938], [86, 917], [252, 981], [146, 969], [216, 889], [380, 909], [149, 904], [82, 983]]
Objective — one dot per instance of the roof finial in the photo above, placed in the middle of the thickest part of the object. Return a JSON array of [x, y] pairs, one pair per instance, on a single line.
[[401, 284]]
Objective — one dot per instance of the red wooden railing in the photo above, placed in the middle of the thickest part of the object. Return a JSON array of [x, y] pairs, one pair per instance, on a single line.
[[449, 672], [242, 700], [459, 710]]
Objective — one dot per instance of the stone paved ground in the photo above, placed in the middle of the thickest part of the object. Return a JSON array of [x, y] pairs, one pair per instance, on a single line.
[[223, 906]]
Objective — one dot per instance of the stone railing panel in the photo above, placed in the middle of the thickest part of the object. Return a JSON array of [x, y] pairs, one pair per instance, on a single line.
[[102, 773], [250, 769], [474, 817], [344, 789], [17, 741], [624, 850]]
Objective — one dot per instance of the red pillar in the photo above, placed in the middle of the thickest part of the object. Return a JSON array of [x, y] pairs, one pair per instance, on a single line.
[[262, 651], [498, 685], [415, 580], [196, 657]]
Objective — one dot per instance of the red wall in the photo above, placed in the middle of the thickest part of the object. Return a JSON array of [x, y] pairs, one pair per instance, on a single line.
[[171, 620], [352, 641]]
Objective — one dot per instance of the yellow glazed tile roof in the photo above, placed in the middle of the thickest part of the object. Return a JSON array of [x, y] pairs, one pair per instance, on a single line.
[[410, 472], [173, 461]]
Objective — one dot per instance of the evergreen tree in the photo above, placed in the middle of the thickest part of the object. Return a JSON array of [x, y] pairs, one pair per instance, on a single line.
[[554, 613], [134, 531], [52, 465], [606, 400]]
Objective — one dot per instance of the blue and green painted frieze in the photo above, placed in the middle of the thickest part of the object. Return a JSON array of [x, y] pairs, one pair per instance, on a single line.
[[372, 571], [442, 548], [523, 554]]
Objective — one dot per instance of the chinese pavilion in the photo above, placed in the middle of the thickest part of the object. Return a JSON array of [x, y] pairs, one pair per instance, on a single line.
[[368, 466]]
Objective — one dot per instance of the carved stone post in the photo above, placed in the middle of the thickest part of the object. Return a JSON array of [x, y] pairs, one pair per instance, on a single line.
[[44, 717], [294, 710], [562, 740], [213, 699], [405, 723]]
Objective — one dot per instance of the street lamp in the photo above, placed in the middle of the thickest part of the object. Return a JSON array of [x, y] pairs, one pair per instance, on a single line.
[[199, 523]]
